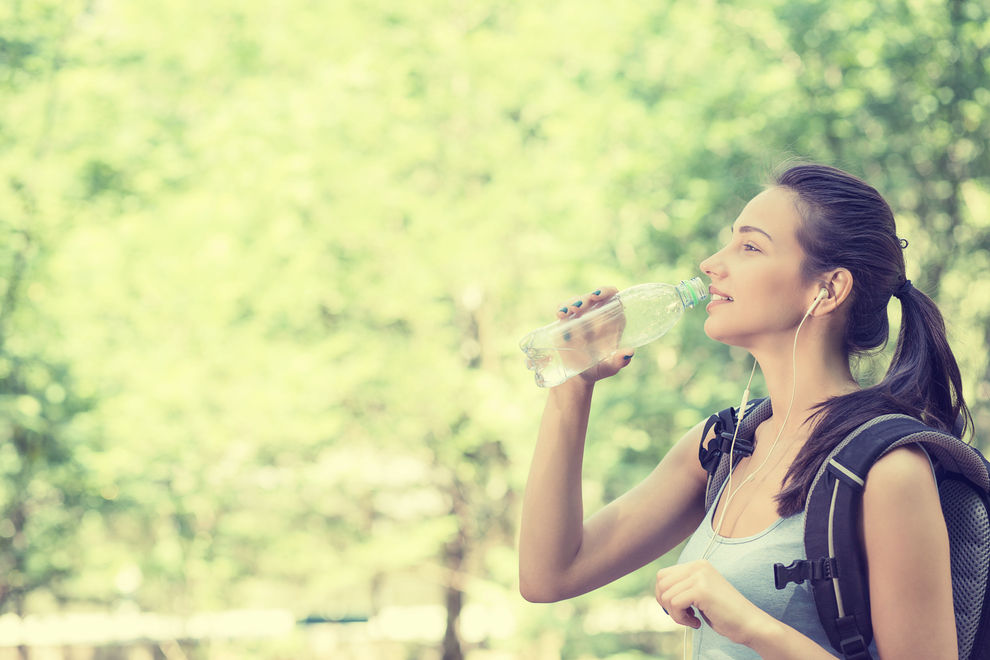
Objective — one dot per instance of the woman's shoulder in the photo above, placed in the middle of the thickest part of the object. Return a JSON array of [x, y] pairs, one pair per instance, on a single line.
[[901, 467], [898, 481]]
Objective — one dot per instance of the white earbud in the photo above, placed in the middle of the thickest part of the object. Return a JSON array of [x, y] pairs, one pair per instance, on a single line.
[[822, 294]]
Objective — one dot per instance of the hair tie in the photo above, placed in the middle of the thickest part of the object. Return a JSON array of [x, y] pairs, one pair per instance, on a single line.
[[902, 290], [903, 243]]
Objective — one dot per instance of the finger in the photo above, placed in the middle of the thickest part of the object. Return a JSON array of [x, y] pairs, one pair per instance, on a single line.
[[670, 584], [683, 611], [611, 365], [579, 305], [570, 309], [674, 593], [621, 358], [679, 607], [678, 600], [669, 576], [604, 293], [704, 617]]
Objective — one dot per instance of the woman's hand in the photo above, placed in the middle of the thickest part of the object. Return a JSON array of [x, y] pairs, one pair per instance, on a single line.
[[606, 332], [696, 586]]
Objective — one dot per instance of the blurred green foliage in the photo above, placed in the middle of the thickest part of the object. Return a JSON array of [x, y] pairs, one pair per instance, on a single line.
[[263, 266]]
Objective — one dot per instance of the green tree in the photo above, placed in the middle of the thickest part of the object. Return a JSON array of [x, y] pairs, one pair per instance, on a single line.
[[285, 252]]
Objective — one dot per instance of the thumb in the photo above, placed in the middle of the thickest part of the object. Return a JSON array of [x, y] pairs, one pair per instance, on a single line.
[[610, 366], [622, 358]]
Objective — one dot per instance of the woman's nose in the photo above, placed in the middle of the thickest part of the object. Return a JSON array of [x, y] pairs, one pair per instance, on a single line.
[[711, 266]]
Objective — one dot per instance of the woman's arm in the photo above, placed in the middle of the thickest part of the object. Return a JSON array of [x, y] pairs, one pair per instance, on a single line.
[[560, 554], [907, 550], [687, 591]]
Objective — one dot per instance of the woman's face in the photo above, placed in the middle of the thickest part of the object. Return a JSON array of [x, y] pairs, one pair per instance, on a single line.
[[758, 293]]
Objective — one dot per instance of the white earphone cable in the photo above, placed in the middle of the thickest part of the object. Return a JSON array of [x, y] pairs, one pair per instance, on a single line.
[[732, 446]]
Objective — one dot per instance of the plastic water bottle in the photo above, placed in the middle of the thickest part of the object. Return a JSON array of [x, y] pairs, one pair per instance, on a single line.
[[630, 318]]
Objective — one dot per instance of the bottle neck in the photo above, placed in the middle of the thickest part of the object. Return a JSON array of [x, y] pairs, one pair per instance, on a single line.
[[692, 292]]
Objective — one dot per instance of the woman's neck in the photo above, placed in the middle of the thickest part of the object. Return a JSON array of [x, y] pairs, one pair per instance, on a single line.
[[822, 373]]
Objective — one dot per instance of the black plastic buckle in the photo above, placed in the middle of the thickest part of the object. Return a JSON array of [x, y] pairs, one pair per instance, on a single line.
[[800, 570], [852, 644], [719, 446], [744, 446], [710, 456], [854, 648]]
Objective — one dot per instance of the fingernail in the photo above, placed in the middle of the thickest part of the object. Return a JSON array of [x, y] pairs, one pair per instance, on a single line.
[[627, 357], [567, 336], [596, 293], [563, 309], [577, 304]]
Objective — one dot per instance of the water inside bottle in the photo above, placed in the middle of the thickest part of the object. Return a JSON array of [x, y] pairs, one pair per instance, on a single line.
[[550, 367], [632, 318], [568, 348]]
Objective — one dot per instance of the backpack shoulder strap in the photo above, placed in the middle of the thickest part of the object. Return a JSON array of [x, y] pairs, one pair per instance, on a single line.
[[714, 456], [835, 564]]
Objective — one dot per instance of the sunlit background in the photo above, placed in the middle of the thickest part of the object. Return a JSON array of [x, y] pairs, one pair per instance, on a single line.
[[264, 265]]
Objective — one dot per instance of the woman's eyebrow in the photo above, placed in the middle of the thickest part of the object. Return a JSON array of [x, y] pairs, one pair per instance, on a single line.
[[749, 228]]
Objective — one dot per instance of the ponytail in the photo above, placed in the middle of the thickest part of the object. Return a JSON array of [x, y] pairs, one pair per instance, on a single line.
[[923, 373]]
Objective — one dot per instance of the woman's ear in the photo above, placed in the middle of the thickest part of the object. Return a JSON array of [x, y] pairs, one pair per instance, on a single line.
[[839, 284]]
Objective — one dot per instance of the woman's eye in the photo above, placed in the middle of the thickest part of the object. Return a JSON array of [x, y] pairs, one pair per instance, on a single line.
[[749, 247]]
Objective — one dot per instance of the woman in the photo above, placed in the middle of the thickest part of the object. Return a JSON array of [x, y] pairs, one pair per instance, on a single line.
[[803, 285]]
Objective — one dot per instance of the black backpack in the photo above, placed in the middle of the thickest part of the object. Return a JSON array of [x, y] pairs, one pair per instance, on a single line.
[[838, 579]]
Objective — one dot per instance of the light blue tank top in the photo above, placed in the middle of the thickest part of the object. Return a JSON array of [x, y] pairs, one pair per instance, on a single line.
[[747, 563]]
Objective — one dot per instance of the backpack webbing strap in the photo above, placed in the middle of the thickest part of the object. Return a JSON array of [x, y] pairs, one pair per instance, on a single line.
[[724, 421], [715, 457], [831, 534]]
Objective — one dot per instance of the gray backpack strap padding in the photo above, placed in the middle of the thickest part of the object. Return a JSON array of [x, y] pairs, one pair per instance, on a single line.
[[968, 524], [952, 454], [964, 492], [758, 411]]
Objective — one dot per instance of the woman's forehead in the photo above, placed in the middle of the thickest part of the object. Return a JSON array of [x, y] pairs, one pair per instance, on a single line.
[[773, 212]]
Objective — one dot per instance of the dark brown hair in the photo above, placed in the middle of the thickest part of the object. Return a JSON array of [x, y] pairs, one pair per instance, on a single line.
[[847, 224]]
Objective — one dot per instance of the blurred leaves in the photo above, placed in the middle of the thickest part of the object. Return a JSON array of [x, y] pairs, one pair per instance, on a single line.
[[264, 265]]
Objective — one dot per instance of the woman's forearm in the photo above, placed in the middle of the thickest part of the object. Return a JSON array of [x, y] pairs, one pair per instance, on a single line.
[[776, 640], [553, 514]]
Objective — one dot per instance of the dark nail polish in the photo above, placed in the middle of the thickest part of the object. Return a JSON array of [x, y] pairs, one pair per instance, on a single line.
[[578, 303], [597, 293], [627, 357], [567, 336], [563, 309]]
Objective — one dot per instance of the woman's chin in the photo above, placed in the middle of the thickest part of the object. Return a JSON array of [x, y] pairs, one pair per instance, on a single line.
[[713, 332], [720, 335]]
